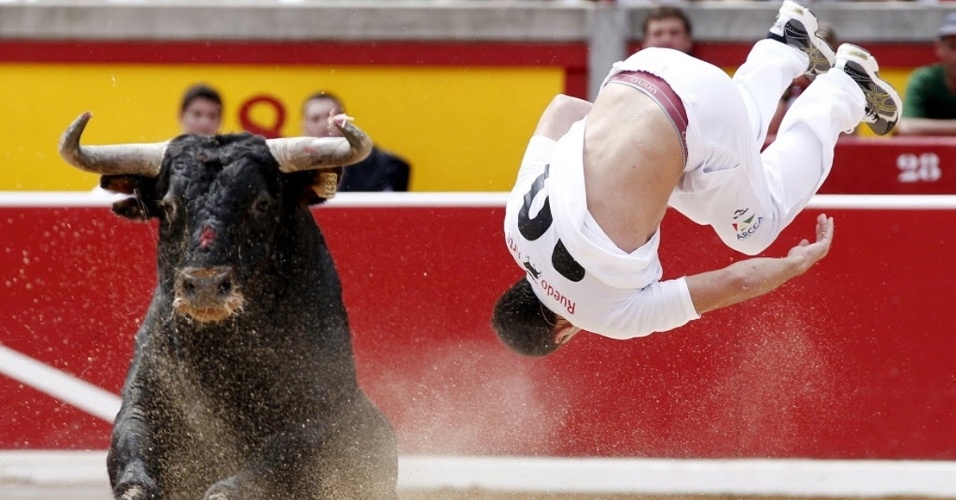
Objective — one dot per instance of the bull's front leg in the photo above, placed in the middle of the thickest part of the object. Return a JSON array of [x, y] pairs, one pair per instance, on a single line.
[[241, 486], [130, 466], [353, 458], [276, 470]]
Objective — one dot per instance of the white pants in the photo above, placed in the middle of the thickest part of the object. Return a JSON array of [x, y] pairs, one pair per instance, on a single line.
[[747, 196]]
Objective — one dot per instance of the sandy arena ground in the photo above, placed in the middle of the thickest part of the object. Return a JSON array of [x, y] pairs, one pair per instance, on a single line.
[[477, 495], [10, 491]]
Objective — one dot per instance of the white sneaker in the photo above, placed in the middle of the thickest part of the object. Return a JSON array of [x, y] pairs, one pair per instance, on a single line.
[[796, 26], [883, 104]]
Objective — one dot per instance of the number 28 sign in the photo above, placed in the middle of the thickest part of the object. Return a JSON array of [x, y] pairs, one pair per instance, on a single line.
[[923, 167]]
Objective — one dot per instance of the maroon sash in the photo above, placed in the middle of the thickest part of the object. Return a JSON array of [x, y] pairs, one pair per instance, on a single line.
[[663, 95]]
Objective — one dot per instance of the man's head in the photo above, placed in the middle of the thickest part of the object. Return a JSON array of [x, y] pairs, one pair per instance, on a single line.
[[668, 27], [526, 326], [200, 111], [316, 111]]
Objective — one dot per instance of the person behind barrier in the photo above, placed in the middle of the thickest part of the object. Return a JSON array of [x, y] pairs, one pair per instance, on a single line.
[[669, 27], [666, 129], [380, 171], [200, 111], [930, 105]]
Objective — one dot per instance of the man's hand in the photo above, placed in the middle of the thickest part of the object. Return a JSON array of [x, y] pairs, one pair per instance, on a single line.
[[754, 277], [806, 254]]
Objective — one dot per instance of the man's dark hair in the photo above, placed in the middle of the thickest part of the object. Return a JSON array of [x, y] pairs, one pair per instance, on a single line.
[[324, 94], [199, 91], [523, 323], [666, 12]]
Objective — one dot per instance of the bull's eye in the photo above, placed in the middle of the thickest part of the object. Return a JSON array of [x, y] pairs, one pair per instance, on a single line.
[[168, 205], [261, 205]]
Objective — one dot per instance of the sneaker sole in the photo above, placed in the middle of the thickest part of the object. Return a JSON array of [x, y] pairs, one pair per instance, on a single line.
[[860, 65], [805, 26]]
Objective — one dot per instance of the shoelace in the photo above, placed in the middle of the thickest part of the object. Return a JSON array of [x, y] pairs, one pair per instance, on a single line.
[[878, 101], [801, 36]]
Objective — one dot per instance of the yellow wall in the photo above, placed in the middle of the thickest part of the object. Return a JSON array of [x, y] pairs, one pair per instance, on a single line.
[[462, 129]]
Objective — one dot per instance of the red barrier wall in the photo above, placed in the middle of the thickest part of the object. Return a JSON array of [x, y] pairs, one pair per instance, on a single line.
[[890, 54], [898, 165], [852, 360]]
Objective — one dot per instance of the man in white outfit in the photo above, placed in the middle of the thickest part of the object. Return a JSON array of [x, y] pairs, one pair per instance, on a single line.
[[670, 130]]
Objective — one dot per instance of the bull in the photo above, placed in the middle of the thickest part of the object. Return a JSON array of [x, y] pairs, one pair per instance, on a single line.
[[243, 382]]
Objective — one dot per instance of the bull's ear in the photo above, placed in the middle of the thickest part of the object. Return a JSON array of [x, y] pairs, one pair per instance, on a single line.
[[323, 186], [141, 205], [123, 184], [131, 208]]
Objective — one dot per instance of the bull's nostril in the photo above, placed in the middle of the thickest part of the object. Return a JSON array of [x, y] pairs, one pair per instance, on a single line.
[[206, 287]]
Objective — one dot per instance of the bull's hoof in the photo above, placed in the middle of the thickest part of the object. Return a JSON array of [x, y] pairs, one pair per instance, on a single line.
[[134, 492], [236, 488], [224, 490]]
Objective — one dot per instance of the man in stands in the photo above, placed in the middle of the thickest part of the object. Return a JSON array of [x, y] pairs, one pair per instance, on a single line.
[[200, 111]]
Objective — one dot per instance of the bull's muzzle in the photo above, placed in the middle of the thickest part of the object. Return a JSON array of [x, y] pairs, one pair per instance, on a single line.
[[207, 294]]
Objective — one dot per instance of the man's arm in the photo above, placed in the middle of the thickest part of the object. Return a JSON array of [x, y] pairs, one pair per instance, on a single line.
[[925, 126], [754, 277], [555, 121], [558, 117]]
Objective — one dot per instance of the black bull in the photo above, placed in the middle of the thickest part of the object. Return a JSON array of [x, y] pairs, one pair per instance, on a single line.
[[243, 383]]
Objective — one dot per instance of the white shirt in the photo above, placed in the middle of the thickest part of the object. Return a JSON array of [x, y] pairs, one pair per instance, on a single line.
[[573, 266]]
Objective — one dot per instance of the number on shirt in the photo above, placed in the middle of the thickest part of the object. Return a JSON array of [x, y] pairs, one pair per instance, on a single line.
[[534, 228]]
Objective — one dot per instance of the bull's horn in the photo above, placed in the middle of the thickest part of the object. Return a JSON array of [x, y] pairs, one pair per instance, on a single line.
[[295, 154], [119, 159]]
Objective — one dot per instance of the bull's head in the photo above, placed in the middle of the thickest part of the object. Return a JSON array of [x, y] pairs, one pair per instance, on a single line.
[[223, 203]]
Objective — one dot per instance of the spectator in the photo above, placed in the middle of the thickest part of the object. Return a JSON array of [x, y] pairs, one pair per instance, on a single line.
[[201, 110], [929, 106], [828, 34], [381, 171], [668, 27]]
